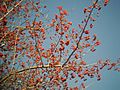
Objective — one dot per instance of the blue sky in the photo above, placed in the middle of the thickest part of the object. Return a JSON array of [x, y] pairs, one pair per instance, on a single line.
[[107, 28]]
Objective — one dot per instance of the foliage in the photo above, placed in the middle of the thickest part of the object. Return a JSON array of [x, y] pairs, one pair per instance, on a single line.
[[37, 52]]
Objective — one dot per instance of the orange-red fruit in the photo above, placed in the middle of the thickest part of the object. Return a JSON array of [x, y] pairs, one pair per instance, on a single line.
[[91, 25], [86, 31], [97, 43], [63, 79], [87, 45], [76, 56], [81, 76], [66, 35], [31, 48], [83, 62], [59, 7], [67, 42], [70, 23], [42, 30], [106, 2], [61, 48], [65, 12], [62, 41], [87, 38], [83, 85], [1, 54]]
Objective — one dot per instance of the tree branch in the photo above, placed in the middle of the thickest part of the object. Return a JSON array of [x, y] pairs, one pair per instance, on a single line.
[[81, 34], [11, 10]]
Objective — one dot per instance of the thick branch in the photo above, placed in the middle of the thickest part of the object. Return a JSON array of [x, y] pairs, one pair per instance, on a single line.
[[48, 66]]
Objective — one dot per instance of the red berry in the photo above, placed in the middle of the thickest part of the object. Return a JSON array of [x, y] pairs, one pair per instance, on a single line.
[[86, 31]]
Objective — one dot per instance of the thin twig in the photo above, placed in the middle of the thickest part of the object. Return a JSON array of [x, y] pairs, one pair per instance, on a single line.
[[81, 34], [11, 10]]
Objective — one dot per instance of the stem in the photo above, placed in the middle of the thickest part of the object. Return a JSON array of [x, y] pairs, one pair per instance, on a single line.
[[11, 10]]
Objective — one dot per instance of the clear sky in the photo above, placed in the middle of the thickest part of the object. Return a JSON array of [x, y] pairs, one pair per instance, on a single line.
[[107, 28]]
